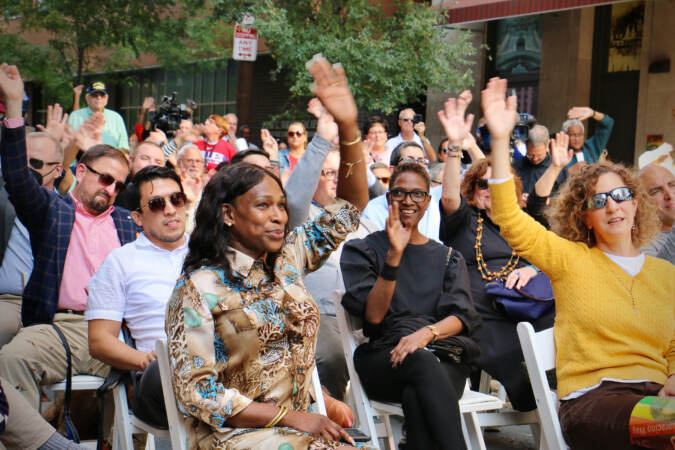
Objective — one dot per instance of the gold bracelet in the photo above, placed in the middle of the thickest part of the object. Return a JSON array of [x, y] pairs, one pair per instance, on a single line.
[[280, 415], [434, 331], [355, 141]]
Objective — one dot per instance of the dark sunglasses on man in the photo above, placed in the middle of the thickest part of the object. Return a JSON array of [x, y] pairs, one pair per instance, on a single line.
[[157, 204], [106, 180], [38, 164], [620, 194]]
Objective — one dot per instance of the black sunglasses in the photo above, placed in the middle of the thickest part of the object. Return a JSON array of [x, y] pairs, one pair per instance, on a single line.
[[444, 149], [482, 184], [620, 194], [399, 195], [157, 204], [383, 179], [295, 133], [107, 180], [38, 164], [405, 119]]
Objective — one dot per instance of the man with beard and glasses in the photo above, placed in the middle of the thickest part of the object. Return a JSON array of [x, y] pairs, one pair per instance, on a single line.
[[70, 237], [45, 160], [134, 284]]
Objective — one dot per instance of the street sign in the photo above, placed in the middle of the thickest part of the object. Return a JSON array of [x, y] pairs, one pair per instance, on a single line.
[[245, 46]]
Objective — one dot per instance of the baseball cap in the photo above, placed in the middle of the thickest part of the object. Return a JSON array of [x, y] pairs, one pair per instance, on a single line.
[[97, 86]]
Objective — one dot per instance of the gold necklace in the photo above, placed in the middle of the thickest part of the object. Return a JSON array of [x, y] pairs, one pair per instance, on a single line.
[[480, 262], [630, 291]]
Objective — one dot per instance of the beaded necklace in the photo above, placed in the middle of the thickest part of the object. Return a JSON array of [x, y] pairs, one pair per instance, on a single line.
[[482, 267]]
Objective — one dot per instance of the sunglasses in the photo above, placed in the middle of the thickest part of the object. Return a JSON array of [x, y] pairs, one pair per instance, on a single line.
[[38, 164], [444, 150], [620, 194], [107, 180], [420, 161], [399, 195], [383, 179], [482, 184], [295, 133], [157, 204], [405, 119]]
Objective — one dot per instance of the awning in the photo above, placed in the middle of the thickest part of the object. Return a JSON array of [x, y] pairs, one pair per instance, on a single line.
[[464, 11]]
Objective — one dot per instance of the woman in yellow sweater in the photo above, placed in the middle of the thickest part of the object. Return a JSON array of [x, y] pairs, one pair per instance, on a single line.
[[615, 307]]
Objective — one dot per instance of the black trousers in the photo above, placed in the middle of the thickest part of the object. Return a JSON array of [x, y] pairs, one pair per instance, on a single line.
[[428, 389], [149, 399]]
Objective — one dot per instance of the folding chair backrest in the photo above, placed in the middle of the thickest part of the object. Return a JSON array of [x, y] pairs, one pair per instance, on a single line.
[[539, 351], [347, 325], [175, 418]]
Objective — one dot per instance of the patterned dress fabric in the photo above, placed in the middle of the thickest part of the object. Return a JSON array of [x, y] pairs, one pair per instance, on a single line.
[[250, 336]]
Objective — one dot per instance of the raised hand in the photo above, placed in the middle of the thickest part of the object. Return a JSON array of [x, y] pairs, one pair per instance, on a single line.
[[270, 145], [500, 112], [561, 154], [330, 86], [56, 122], [580, 113], [455, 125], [89, 133], [148, 104], [399, 235], [325, 125], [11, 86], [77, 90], [158, 137]]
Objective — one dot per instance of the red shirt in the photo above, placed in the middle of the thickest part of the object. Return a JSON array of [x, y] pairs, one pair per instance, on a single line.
[[216, 153]]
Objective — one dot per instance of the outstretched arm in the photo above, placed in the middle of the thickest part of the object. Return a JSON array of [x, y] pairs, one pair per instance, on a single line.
[[457, 128]]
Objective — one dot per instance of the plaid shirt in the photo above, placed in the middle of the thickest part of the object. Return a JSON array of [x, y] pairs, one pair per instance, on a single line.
[[49, 219]]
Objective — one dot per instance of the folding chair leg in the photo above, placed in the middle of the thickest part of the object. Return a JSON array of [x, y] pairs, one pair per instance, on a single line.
[[465, 433], [390, 432], [122, 437], [475, 434]]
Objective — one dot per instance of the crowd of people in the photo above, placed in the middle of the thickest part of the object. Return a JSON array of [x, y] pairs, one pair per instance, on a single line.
[[239, 256]]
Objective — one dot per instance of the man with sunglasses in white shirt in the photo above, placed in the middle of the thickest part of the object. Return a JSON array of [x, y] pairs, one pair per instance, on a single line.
[[134, 284]]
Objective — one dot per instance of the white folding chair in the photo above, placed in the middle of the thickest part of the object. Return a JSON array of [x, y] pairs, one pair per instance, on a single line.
[[127, 424], [470, 404], [175, 418], [79, 383], [539, 351]]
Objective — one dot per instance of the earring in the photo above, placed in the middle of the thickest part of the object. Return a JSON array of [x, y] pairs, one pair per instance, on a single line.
[[588, 237], [228, 224]]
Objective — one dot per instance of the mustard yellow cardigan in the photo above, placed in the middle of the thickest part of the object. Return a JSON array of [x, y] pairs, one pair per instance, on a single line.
[[601, 330]]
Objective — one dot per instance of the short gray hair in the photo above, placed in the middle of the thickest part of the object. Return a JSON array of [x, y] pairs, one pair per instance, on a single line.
[[435, 169], [183, 149], [44, 135], [404, 110], [572, 123], [538, 135]]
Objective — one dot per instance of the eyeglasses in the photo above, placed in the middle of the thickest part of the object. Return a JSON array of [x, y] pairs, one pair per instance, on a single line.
[[38, 164], [330, 174], [406, 119], [157, 204], [385, 180], [295, 133], [98, 94], [420, 161], [482, 184], [107, 180], [620, 194], [399, 195]]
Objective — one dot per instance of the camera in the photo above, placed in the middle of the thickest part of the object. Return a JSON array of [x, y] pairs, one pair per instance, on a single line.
[[169, 113], [417, 118], [521, 132]]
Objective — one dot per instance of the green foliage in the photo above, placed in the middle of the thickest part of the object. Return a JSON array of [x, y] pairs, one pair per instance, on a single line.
[[390, 57], [105, 36]]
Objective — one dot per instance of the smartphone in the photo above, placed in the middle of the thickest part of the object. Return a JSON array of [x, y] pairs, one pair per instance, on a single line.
[[357, 435]]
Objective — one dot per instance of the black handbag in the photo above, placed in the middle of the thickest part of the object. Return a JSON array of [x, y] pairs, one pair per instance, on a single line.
[[530, 302]]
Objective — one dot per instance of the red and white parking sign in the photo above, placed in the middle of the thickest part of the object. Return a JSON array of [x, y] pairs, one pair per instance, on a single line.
[[245, 46]]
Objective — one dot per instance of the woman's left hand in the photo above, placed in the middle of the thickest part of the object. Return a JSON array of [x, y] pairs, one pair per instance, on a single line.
[[332, 89], [410, 343], [519, 277], [668, 389]]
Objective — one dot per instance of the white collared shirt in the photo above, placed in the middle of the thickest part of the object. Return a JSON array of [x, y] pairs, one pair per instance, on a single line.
[[134, 284]]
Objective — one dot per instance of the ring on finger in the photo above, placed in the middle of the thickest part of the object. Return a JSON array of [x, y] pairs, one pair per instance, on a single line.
[[335, 83]]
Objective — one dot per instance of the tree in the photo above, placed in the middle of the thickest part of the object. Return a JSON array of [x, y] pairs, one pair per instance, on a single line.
[[392, 51], [105, 36]]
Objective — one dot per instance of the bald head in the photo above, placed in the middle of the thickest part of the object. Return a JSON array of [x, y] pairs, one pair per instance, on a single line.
[[659, 184]]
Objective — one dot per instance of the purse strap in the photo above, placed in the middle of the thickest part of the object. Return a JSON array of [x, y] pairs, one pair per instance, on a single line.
[[71, 430], [447, 257]]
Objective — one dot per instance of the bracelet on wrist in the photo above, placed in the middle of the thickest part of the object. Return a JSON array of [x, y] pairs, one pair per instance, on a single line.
[[280, 415], [355, 141], [389, 273], [434, 331]]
